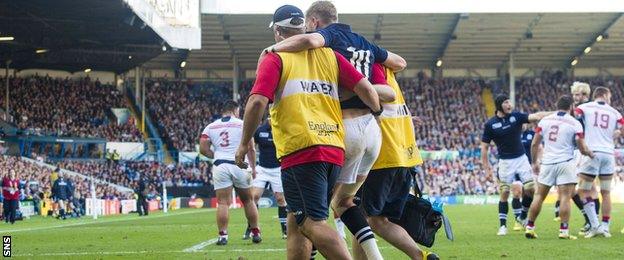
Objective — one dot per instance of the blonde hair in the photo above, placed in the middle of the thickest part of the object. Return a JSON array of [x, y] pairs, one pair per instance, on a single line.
[[325, 11], [580, 87]]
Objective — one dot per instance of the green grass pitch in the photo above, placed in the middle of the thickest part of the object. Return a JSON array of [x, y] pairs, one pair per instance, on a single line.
[[168, 236]]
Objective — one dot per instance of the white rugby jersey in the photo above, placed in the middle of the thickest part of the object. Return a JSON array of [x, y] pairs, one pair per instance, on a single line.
[[601, 120], [559, 132], [225, 135]]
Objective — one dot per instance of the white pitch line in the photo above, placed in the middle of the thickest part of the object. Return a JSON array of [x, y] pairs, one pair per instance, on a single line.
[[263, 249], [165, 251], [104, 221], [201, 245]]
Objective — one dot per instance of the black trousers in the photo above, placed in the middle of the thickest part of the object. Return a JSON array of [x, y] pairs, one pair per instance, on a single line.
[[142, 206], [10, 209]]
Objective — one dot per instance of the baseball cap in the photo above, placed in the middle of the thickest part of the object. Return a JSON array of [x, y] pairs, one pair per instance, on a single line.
[[288, 16]]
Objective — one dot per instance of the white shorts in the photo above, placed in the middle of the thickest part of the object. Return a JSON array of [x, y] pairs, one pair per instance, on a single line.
[[225, 175], [268, 175], [558, 174], [362, 145], [602, 164], [516, 169], [578, 158]]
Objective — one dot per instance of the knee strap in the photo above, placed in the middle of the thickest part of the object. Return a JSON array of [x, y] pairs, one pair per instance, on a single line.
[[504, 187], [585, 185], [528, 185], [605, 185]]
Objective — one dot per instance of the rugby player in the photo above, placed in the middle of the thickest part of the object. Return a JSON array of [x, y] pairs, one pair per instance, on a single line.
[[225, 136], [268, 171], [505, 130], [363, 137], [602, 124], [62, 191], [581, 93], [386, 189], [556, 166], [516, 186], [308, 130]]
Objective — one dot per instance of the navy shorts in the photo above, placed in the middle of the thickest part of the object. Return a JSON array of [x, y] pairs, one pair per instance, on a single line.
[[385, 192], [307, 189]]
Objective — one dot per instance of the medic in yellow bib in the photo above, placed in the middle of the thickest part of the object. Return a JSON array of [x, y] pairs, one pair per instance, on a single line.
[[386, 189], [307, 127]]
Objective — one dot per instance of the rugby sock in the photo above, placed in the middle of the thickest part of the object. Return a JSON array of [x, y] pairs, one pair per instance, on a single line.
[[579, 203], [597, 205], [62, 213], [605, 219], [517, 207], [526, 204], [557, 208], [355, 221], [531, 224], [503, 208], [563, 225], [563, 228], [313, 253], [255, 231], [223, 234], [340, 227], [281, 214], [591, 213]]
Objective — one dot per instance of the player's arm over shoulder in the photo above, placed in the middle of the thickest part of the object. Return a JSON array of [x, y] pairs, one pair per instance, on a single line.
[[300, 42], [378, 79], [395, 62]]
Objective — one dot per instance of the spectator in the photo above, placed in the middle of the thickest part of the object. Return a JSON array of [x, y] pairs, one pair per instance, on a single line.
[[10, 194], [66, 107]]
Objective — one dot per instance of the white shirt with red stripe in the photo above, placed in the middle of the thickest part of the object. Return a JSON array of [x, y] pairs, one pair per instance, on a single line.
[[559, 132], [601, 120], [225, 135]]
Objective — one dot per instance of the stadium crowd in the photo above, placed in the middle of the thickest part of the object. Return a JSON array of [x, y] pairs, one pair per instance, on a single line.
[[183, 109], [36, 182], [42, 105], [125, 173]]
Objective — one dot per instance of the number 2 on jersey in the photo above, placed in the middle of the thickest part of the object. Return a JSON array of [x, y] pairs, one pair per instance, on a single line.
[[554, 132], [225, 139]]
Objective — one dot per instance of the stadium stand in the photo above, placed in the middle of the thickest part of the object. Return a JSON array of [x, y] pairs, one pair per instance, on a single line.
[[183, 109], [36, 184], [124, 173], [42, 105]]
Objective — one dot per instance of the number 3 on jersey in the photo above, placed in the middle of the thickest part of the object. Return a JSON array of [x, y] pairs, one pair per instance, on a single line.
[[554, 132], [225, 139]]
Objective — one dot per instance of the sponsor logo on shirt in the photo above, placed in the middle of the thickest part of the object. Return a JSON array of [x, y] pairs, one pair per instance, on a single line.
[[497, 125], [304, 86], [512, 119], [317, 87], [322, 128]]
